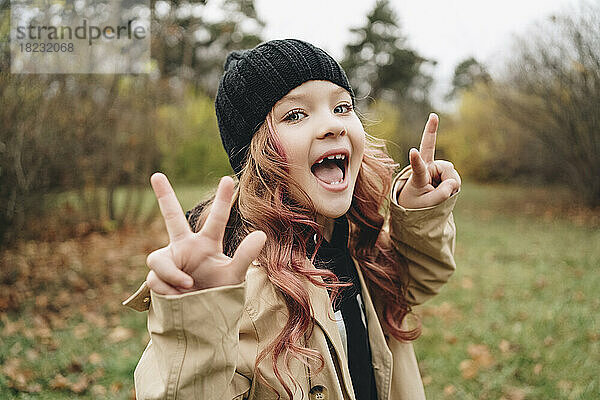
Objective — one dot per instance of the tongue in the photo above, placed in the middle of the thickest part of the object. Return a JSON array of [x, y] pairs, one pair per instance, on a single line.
[[328, 172]]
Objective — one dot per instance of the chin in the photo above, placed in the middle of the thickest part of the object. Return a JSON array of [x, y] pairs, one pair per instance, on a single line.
[[334, 212]]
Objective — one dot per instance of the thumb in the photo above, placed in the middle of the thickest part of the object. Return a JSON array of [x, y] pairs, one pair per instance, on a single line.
[[419, 169], [248, 251]]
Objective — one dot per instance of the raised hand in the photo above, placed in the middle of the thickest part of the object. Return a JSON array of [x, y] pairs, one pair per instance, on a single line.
[[194, 261], [432, 181]]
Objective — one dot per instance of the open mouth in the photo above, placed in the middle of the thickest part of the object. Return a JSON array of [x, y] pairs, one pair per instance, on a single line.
[[331, 170]]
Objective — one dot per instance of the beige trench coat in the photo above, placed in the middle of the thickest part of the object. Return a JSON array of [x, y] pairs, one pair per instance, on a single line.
[[203, 344]]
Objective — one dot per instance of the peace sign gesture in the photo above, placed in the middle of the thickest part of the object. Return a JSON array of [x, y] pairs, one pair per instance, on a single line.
[[194, 261], [432, 181]]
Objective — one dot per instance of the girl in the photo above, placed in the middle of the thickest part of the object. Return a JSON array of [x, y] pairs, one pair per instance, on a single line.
[[296, 282]]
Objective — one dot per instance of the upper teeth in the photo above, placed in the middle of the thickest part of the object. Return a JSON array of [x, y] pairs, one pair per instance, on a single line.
[[333, 157]]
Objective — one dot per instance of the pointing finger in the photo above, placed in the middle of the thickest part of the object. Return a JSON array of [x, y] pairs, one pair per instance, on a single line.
[[427, 148], [171, 210], [419, 169]]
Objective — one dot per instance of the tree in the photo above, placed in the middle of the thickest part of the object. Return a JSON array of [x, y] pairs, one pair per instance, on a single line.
[[191, 39], [486, 145], [552, 89], [380, 65], [466, 74]]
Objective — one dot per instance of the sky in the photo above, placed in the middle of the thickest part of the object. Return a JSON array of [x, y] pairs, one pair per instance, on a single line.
[[445, 30]]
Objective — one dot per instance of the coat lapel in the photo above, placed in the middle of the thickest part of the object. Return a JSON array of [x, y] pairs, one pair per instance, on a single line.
[[381, 355], [324, 318]]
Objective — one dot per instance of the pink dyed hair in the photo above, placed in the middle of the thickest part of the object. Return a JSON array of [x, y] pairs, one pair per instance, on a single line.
[[262, 201]]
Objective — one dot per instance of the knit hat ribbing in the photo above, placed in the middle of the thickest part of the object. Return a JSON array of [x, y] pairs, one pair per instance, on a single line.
[[255, 79]]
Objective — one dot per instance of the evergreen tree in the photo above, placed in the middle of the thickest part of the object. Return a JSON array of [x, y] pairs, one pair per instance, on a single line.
[[466, 74], [379, 64]]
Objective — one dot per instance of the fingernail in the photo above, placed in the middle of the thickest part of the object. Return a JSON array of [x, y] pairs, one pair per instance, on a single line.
[[188, 283], [431, 115]]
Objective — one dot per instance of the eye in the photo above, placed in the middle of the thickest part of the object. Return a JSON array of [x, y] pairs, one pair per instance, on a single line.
[[294, 115], [343, 108]]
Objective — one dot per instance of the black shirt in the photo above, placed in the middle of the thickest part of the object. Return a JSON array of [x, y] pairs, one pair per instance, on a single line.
[[350, 306]]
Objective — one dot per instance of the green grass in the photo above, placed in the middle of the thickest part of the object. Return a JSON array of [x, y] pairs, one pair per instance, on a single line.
[[525, 292], [524, 281]]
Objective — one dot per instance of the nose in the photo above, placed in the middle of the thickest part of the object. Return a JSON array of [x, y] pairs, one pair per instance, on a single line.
[[332, 127]]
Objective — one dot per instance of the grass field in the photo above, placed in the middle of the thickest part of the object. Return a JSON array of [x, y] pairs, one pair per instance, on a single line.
[[518, 320]]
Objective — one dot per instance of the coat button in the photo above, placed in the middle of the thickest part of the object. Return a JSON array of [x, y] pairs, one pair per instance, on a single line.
[[318, 392], [146, 299]]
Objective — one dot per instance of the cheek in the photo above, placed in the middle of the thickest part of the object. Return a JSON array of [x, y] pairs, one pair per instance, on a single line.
[[297, 158], [359, 150], [297, 161], [293, 151]]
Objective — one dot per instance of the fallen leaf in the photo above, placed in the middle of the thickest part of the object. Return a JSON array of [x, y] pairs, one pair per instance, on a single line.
[[119, 334], [515, 394], [450, 338], [481, 355], [468, 369], [59, 382], [96, 319], [79, 386], [33, 388], [115, 387], [95, 358], [449, 390], [504, 346]]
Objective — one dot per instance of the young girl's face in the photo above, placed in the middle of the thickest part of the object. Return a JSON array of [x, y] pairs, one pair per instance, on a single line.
[[324, 143]]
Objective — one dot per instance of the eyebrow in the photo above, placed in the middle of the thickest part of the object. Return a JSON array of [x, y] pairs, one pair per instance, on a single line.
[[295, 97]]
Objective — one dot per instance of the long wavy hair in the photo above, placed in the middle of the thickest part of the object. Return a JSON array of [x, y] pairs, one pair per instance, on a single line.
[[262, 201]]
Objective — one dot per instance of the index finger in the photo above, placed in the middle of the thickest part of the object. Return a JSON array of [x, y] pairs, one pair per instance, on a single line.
[[171, 210], [427, 147]]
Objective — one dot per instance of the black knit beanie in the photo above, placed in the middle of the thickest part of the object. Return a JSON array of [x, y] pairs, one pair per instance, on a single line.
[[255, 79]]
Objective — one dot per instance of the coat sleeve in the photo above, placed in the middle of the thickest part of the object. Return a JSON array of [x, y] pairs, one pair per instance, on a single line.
[[198, 343], [426, 238]]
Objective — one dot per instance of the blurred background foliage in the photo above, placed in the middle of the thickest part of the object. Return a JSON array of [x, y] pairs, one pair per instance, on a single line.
[[77, 151], [72, 141]]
